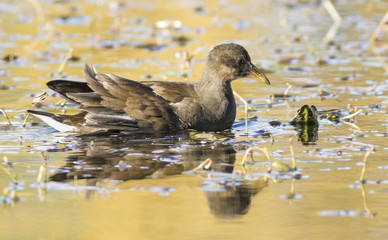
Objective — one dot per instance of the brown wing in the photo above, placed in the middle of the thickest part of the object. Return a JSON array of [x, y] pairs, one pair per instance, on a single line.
[[172, 91], [127, 100], [115, 102]]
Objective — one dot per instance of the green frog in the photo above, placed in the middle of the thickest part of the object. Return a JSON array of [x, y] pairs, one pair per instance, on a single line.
[[306, 122]]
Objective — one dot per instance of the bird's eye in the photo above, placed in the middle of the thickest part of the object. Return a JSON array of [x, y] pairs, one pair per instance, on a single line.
[[241, 61]]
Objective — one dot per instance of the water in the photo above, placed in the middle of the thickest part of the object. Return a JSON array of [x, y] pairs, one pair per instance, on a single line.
[[146, 187]]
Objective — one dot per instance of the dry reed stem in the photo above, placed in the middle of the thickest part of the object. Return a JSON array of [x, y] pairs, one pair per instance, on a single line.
[[38, 9], [37, 99], [328, 5], [353, 114], [289, 87], [67, 57], [244, 160], [246, 106], [331, 33], [41, 174], [352, 124], [380, 28], [330, 8], [205, 164], [5, 115]]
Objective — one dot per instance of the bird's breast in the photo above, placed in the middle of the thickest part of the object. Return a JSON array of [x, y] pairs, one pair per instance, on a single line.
[[214, 114]]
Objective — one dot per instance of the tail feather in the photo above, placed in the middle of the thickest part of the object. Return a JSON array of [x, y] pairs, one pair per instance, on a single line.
[[62, 123], [86, 99], [112, 102], [65, 87], [102, 120], [91, 77]]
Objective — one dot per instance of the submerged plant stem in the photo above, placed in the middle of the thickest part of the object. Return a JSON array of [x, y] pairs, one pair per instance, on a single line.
[[371, 214], [245, 109], [292, 155], [250, 150], [362, 176]]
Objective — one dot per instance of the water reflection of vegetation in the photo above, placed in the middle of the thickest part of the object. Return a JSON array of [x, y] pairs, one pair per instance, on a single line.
[[10, 196]]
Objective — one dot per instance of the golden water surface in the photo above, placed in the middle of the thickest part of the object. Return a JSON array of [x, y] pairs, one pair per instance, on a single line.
[[143, 40]]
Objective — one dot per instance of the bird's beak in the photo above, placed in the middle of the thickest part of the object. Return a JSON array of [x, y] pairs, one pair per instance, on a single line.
[[257, 74]]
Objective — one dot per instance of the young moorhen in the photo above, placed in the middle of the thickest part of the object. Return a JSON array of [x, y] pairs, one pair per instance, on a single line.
[[110, 102]]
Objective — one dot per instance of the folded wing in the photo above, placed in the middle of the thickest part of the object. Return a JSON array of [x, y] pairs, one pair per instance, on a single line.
[[114, 102]]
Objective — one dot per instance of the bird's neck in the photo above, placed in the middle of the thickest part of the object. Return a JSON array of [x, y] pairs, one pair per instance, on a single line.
[[213, 83], [215, 92]]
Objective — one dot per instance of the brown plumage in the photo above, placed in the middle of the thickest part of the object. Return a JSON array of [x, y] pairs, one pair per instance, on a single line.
[[116, 103]]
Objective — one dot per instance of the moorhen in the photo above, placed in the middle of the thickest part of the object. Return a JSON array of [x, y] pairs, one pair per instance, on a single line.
[[111, 102]]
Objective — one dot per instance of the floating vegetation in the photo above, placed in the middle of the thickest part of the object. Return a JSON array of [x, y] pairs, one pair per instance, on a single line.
[[343, 213], [280, 167], [207, 136], [168, 24], [162, 191], [72, 20], [181, 40], [10, 58], [348, 78], [292, 58], [333, 115], [275, 165], [151, 46]]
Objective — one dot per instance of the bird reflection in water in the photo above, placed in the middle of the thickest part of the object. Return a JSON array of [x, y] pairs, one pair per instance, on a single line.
[[123, 158], [231, 198]]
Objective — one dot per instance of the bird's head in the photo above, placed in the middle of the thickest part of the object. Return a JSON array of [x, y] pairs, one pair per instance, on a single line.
[[231, 61]]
